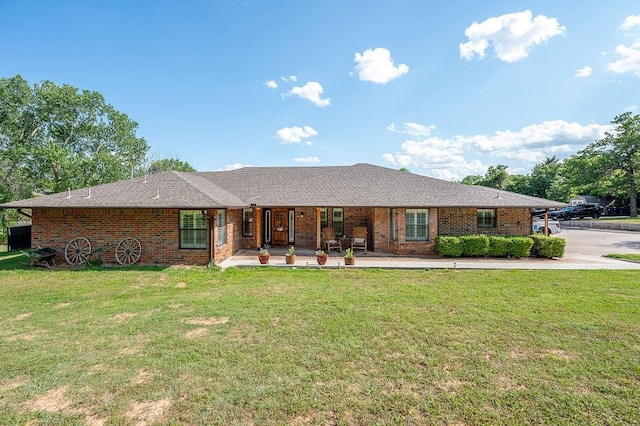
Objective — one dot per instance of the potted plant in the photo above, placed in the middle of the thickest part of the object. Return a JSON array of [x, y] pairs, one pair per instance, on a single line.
[[290, 257], [321, 257], [263, 256], [349, 257]]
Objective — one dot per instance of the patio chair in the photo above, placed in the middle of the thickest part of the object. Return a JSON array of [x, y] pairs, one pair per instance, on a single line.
[[359, 240], [330, 240]]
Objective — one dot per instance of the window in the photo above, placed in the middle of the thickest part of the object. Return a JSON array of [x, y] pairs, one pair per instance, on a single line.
[[338, 224], [323, 218], [417, 224], [292, 228], [193, 229], [392, 225], [222, 227], [486, 218], [247, 223]]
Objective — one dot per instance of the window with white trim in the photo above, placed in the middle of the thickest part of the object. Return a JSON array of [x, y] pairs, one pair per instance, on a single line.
[[417, 224], [222, 227], [486, 218], [338, 221], [193, 229], [323, 218], [247, 222], [392, 224]]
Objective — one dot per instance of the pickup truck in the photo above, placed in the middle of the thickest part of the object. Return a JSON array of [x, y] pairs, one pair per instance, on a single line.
[[579, 211], [538, 226]]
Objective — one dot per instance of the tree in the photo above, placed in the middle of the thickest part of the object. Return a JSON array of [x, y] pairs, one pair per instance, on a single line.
[[616, 157], [58, 137], [167, 164], [496, 177]]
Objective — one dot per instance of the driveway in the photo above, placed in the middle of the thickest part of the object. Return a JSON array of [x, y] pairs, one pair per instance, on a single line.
[[587, 242]]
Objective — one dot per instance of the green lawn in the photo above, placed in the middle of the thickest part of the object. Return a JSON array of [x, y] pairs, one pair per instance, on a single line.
[[281, 346], [617, 219]]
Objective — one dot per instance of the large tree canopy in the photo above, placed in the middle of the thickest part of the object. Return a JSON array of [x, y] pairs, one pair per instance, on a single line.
[[609, 167], [58, 137], [617, 157]]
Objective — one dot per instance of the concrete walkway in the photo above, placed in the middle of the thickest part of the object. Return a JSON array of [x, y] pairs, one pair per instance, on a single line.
[[579, 254]]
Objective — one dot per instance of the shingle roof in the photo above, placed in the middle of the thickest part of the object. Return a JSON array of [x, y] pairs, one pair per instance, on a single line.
[[360, 185], [161, 190]]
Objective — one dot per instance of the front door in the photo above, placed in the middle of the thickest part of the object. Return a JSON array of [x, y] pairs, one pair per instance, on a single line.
[[280, 226]]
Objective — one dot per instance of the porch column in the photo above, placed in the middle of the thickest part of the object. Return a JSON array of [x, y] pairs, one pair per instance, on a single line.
[[257, 225], [318, 229]]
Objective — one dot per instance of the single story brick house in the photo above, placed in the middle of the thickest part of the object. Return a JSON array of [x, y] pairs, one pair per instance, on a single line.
[[204, 217]]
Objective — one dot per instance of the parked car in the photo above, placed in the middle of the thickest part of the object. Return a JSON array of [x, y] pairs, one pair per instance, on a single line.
[[538, 226], [579, 211]]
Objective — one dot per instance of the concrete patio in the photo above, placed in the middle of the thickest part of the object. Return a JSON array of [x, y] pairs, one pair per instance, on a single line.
[[576, 257]]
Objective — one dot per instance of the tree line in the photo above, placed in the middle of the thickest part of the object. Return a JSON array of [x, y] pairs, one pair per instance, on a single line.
[[57, 137], [607, 168]]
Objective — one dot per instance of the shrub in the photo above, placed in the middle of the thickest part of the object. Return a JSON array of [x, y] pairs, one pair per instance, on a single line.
[[474, 245], [520, 246], [548, 247], [498, 247], [448, 246]]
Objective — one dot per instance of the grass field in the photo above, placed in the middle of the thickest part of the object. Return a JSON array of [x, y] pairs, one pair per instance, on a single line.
[[618, 219], [275, 346]]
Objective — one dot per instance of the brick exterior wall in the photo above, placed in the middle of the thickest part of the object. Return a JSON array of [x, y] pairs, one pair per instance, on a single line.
[[158, 230], [463, 221], [383, 236]]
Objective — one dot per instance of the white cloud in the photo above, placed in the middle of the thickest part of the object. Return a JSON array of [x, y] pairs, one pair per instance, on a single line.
[[512, 35], [631, 108], [308, 160], [448, 158], [235, 166], [630, 61], [413, 129], [290, 79], [584, 72], [630, 22], [295, 134], [377, 66], [271, 84], [552, 131], [311, 91]]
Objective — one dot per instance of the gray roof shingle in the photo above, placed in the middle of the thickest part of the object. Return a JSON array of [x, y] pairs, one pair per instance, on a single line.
[[360, 185]]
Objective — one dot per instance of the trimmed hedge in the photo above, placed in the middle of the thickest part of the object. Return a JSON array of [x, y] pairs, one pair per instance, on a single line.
[[520, 246], [548, 247], [474, 245], [512, 246], [498, 247], [448, 246]]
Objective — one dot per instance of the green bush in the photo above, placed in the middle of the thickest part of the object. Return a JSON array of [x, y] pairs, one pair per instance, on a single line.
[[548, 247], [520, 246], [474, 245], [448, 246], [498, 247]]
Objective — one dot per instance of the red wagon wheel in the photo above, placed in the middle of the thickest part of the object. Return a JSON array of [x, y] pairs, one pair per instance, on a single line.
[[128, 251], [77, 251]]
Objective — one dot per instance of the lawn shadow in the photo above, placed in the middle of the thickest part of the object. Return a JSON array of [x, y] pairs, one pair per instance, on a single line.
[[630, 244], [15, 260]]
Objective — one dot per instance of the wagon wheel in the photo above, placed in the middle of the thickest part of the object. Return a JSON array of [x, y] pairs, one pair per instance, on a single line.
[[77, 251], [128, 251]]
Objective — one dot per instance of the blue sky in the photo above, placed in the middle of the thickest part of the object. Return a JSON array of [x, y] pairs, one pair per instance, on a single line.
[[445, 89]]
